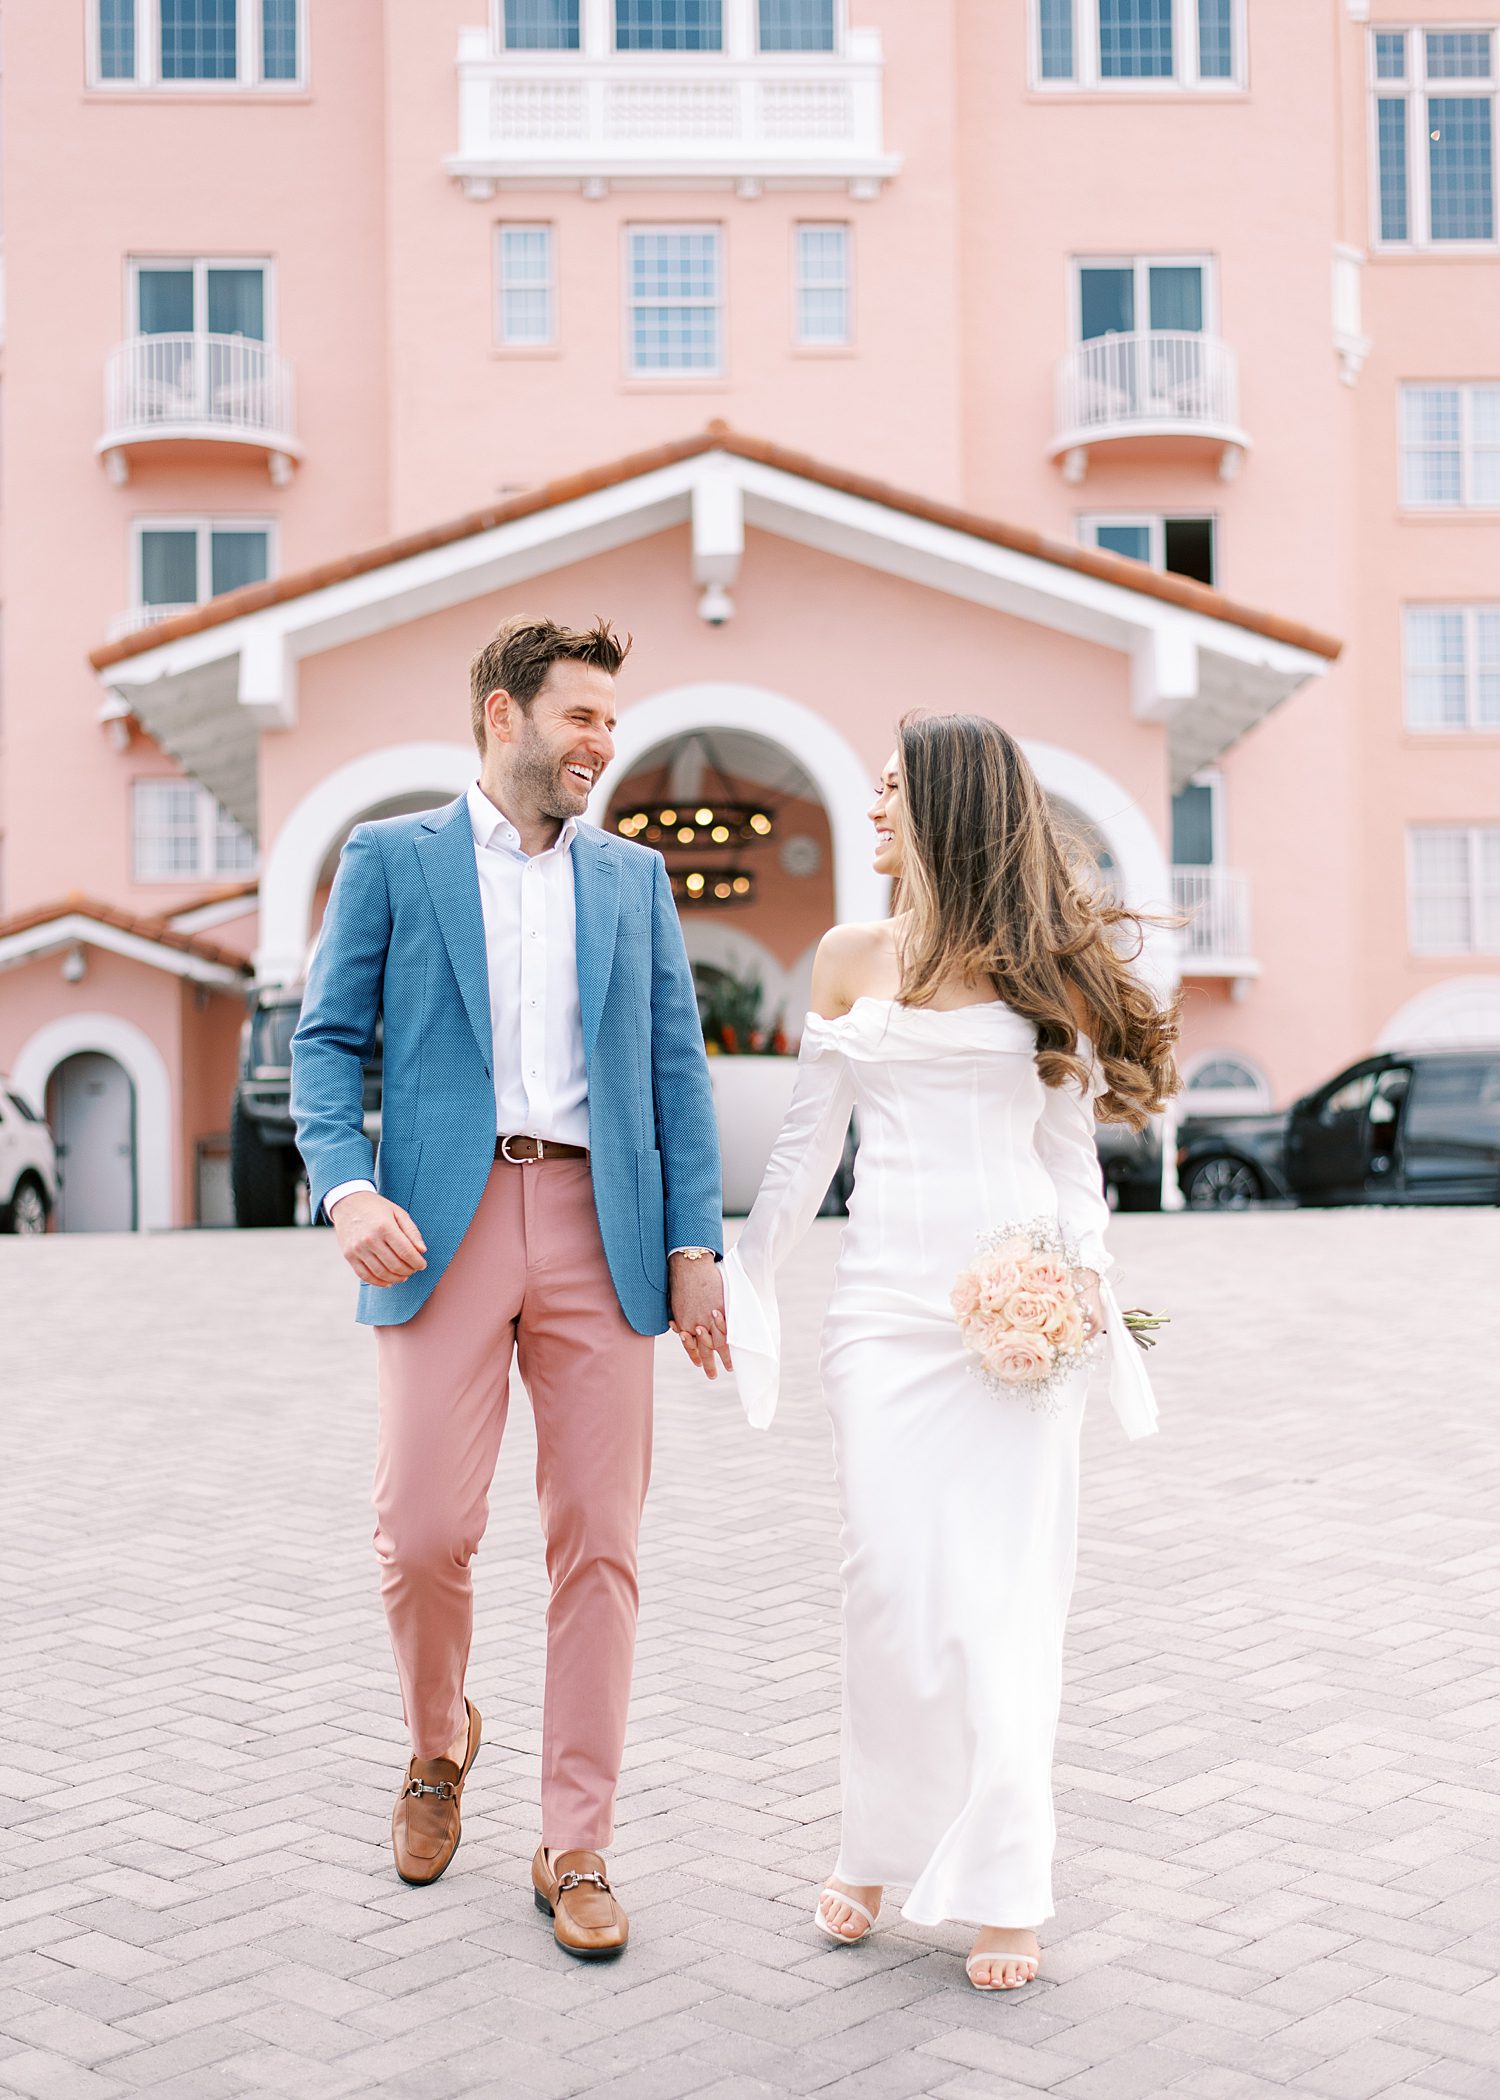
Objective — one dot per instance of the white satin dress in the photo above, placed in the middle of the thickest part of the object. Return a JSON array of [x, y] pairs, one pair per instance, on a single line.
[[959, 1505]]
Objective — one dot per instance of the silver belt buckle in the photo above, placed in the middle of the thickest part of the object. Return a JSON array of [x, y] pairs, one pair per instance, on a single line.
[[520, 1160]]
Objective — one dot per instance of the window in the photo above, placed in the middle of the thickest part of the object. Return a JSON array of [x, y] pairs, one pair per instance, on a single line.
[[1141, 292], [1450, 447], [541, 25], [1176, 546], [1434, 94], [823, 284], [524, 277], [1221, 1072], [181, 834], [200, 298], [1196, 823], [669, 25], [1454, 889], [674, 318], [1452, 666], [186, 43], [797, 25], [181, 561], [1112, 43]]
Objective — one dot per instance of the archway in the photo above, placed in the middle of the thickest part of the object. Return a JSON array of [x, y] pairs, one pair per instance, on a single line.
[[401, 776], [1462, 1013], [131, 1051]]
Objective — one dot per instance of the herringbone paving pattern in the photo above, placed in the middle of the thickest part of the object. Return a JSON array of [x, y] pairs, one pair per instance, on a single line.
[[1279, 1856]]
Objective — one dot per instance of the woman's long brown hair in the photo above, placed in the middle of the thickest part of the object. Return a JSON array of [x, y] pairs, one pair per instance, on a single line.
[[993, 892]]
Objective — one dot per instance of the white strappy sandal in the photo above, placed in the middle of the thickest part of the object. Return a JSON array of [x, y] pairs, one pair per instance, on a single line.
[[845, 1939], [1000, 1956]]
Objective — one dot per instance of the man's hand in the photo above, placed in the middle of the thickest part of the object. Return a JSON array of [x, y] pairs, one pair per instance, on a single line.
[[697, 1295], [377, 1238]]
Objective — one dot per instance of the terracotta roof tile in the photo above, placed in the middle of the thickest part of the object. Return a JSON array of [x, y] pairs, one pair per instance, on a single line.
[[718, 437], [76, 905]]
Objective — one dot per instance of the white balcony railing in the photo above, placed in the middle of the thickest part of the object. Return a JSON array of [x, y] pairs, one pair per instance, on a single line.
[[1157, 383], [1216, 904], [140, 616], [223, 388], [660, 118]]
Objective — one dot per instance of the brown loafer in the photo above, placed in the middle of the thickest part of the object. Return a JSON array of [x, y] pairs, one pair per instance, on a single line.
[[574, 1890], [425, 1823]]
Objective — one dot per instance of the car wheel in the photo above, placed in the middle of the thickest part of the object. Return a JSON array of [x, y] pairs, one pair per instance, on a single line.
[[263, 1178], [1221, 1183], [26, 1213]]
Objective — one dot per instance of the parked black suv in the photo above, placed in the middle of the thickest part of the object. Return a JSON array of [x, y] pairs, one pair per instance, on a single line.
[[1419, 1127], [265, 1169]]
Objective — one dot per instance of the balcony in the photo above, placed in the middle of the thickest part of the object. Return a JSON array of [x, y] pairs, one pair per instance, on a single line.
[[652, 120], [1156, 388], [140, 616], [177, 391], [1216, 940]]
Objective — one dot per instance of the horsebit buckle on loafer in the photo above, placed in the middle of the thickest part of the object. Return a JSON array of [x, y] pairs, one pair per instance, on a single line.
[[445, 1790], [572, 1880]]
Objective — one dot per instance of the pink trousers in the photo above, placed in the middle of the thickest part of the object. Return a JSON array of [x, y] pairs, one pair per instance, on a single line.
[[530, 1276]]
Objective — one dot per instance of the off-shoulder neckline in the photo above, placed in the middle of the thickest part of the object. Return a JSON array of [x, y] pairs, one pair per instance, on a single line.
[[974, 1006]]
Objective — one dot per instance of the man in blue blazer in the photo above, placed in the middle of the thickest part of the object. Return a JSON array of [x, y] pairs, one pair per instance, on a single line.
[[547, 1186]]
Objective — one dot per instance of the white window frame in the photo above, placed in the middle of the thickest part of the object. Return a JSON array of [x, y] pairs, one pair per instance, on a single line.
[[1471, 724], [674, 375], [1413, 89], [1472, 946], [1157, 522], [1142, 265], [200, 265], [1464, 388], [840, 31], [1212, 778], [147, 77], [1223, 1100], [1184, 79], [205, 527], [741, 19], [205, 865], [547, 284], [845, 284]]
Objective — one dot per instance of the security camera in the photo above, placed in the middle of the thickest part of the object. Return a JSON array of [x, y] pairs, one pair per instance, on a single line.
[[716, 606]]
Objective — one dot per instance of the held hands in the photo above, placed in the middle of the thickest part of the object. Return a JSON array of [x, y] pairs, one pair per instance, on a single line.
[[377, 1238], [697, 1295]]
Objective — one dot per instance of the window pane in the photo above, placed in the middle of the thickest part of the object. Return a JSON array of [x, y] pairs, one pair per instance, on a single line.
[[1193, 827], [526, 284], [1107, 302], [1390, 54], [237, 558], [1056, 40], [1133, 541], [1458, 54], [1135, 39], [198, 39], [541, 25], [117, 39], [1215, 28], [1484, 414], [1431, 415], [1390, 129], [796, 25], [1461, 167], [1223, 1074], [674, 291], [668, 25], [166, 830], [237, 303], [278, 39], [164, 302], [1190, 548], [1434, 668], [1176, 296], [822, 284], [169, 568], [234, 850]]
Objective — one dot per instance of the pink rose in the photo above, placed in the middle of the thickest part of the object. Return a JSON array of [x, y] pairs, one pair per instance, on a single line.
[[1049, 1275], [1030, 1308], [1018, 1358], [965, 1296], [1065, 1328], [997, 1285]]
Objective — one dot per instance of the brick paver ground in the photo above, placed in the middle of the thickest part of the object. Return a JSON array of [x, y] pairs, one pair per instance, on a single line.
[[1279, 1859]]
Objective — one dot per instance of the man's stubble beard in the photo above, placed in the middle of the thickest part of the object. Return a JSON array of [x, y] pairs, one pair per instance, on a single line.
[[538, 775]]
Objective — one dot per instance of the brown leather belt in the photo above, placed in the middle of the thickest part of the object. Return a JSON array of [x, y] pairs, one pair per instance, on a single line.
[[526, 1151]]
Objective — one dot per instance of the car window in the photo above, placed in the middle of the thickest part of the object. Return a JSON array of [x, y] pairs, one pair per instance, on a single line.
[[1458, 1100], [1349, 1099]]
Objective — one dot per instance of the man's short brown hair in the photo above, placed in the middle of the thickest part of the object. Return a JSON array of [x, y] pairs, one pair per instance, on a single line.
[[521, 652]]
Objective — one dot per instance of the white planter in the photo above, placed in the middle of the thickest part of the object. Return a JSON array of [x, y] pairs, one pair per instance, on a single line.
[[751, 1095]]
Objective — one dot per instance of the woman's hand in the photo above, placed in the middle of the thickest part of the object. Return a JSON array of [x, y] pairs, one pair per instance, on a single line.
[[1087, 1281]]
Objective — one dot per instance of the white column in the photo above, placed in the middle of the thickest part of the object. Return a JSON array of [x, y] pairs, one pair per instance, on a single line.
[[596, 28], [740, 28]]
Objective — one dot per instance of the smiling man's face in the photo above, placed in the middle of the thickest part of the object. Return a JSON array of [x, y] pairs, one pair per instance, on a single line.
[[548, 757]]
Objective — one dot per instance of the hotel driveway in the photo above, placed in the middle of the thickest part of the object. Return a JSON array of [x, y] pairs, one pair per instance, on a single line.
[[1279, 1858]]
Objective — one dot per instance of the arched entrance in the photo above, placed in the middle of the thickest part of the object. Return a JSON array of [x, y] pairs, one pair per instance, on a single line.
[[120, 1044], [91, 1108], [1462, 1014]]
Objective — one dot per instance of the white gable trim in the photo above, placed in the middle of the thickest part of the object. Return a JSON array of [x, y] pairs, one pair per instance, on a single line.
[[78, 928]]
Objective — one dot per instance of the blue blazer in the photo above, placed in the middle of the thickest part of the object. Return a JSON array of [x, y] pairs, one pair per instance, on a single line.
[[403, 939]]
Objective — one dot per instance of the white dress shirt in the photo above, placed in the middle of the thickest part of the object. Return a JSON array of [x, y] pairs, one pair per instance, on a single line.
[[531, 955]]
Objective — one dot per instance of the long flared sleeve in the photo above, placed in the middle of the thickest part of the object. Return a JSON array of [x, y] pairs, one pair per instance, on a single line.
[[796, 1179], [1065, 1145]]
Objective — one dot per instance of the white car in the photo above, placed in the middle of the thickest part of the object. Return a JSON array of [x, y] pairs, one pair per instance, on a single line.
[[28, 1167]]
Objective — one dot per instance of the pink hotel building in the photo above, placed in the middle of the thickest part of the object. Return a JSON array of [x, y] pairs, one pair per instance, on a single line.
[[1127, 369]]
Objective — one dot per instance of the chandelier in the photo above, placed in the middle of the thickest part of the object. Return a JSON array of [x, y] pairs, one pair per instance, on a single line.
[[699, 824], [713, 886]]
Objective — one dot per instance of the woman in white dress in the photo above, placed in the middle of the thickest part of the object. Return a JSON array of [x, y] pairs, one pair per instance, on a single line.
[[978, 1032]]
